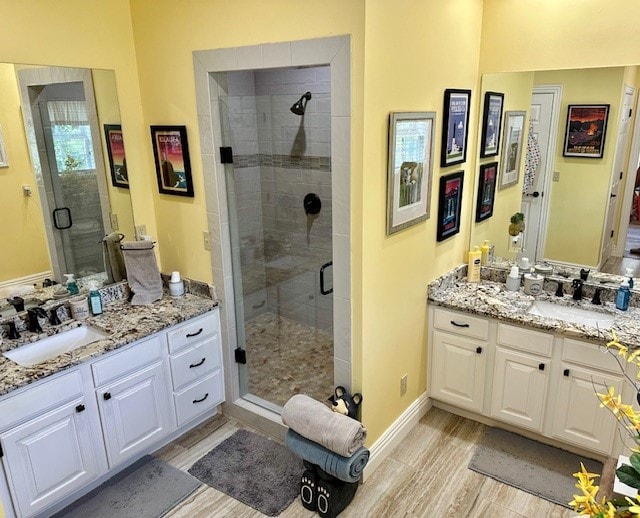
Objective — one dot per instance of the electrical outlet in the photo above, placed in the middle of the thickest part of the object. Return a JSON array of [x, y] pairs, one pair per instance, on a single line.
[[207, 240], [113, 219], [556, 176], [403, 385], [141, 230]]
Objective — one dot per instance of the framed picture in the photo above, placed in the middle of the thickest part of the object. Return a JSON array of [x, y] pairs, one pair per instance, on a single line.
[[449, 205], [586, 129], [171, 153], [4, 159], [410, 168], [491, 123], [486, 191], [117, 159], [512, 149], [455, 127]]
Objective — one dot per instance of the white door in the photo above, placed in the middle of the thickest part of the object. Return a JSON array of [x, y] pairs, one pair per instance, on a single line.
[[49, 457], [134, 413], [543, 117], [609, 238]]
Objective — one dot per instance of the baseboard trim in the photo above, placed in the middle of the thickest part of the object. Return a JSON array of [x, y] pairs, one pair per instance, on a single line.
[[28, 280], [393, 435]]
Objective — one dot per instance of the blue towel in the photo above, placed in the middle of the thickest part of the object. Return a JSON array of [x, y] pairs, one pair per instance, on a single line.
[[347, 469]]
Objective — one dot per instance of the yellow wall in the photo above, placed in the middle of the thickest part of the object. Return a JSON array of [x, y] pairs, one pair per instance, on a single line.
[[22, 234], [579, 200], [517, 88]]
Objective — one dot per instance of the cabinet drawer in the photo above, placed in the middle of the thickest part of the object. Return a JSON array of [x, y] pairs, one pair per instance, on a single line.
[[460, 323], [193, 331], [194, 362], [137, 356], [199, 398], [525, 339], [39, 398], [585, 353]]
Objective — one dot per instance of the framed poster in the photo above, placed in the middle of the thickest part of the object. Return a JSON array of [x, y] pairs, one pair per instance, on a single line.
[[491, 123], [171, 153], [449, 205], [586, 129], [486, 191], [455, 127], [410, 168], [117, 158], [512, 148]]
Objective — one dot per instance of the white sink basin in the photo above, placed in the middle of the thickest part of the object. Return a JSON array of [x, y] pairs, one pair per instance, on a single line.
[[33, 353], [571, 314]]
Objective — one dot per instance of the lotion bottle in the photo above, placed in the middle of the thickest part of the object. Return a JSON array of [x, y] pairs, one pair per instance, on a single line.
[[513, 279], [473, 269], [484, 249], [95, 300], [622, 299]]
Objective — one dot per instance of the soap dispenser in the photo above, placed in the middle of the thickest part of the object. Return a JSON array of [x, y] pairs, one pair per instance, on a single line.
[[71, 284], [629, 275], [513, 279], [622, 299], [95, 299]]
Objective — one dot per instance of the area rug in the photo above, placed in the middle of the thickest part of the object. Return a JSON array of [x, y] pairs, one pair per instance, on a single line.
[[528, 465], [254, 470], [146, 489]]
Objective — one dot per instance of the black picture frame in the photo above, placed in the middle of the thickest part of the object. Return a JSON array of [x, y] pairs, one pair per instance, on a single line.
[[491, 124], [586, 130], [171, 154], [486, 195], [455, 127], [117, 159], [449, 205]]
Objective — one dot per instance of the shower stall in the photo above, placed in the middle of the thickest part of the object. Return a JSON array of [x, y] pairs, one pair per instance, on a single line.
[[277, 123]]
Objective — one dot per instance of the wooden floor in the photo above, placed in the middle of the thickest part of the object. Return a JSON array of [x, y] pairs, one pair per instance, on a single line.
[[425, 476]]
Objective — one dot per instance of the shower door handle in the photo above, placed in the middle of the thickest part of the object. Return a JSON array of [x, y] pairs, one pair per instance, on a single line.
[[322, 269], [56, 223]]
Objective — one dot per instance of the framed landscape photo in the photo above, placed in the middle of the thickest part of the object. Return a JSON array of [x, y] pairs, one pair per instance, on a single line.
[[410, 168], [171, 153], [486, 191], [117, 158], [586, 130], [449, 205], [455, 127], [491, 123], [512, 148]]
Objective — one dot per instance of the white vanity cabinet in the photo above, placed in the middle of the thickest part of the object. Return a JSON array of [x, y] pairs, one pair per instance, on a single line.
[[459, 349]]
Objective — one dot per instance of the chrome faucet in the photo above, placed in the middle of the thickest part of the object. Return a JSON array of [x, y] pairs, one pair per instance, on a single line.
[[577, 289]]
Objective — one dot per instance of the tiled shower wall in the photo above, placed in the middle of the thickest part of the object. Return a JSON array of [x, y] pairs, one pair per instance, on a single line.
[[279, 157]]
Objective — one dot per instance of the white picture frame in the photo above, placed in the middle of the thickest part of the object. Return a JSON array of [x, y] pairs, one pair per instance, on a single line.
[[513, 138], [4, 159]]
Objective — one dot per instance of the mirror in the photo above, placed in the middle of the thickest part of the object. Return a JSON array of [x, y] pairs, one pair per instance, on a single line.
[[575, 201], [59, 195]]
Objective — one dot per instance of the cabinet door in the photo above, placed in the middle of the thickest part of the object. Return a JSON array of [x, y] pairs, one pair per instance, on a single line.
[[519, 388], [49, 457], [578, 417], [134, 412], [458, 370]]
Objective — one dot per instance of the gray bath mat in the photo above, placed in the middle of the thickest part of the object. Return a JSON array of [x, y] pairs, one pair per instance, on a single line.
[[254, 470], [531, 466], [146, 489]]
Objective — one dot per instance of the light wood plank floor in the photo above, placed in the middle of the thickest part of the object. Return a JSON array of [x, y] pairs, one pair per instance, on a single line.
[[425, 476]]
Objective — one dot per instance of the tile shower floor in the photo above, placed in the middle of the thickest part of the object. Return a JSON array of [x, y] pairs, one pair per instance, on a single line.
[[285, 357]]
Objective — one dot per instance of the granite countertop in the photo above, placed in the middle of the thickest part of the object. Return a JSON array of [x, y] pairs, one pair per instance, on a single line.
[[491, 299], [124, 324]]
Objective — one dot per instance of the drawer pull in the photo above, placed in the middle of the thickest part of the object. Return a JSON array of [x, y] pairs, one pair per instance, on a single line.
[[197, 364], [201, 400], [106, 396], [459, 325], [80, 408], [191, 335], [479, 350], [566, 373], [541, 366]]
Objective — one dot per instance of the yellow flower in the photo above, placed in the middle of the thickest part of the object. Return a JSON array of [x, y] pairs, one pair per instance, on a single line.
[[634, 506], [610, 400]]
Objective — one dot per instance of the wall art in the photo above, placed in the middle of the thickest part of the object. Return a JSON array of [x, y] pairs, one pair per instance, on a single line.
[[117, 158], [171, 153], [486, 191], [512, 148], [586, 130], [491, 124], [410, 168], [4, 159], [449, 205], [455, 127]]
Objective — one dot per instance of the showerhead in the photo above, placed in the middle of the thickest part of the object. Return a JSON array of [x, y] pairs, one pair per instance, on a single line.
[[300, 105]]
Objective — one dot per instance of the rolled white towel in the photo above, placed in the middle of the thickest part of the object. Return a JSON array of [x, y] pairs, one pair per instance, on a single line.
[[318, 423]]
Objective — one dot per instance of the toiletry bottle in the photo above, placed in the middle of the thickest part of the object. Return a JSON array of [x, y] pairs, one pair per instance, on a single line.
[[484, 249], [492, 253], [473, 270], [71, 284], [622, 299], [95, 300], [629, 274], [513, 279]]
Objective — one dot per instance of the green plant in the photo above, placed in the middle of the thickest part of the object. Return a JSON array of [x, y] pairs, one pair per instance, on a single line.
[[517, 224]]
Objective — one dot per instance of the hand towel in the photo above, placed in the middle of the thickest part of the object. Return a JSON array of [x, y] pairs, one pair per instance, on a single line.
[[143, 275], [113, 258], [318, 423], [347, 469]]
